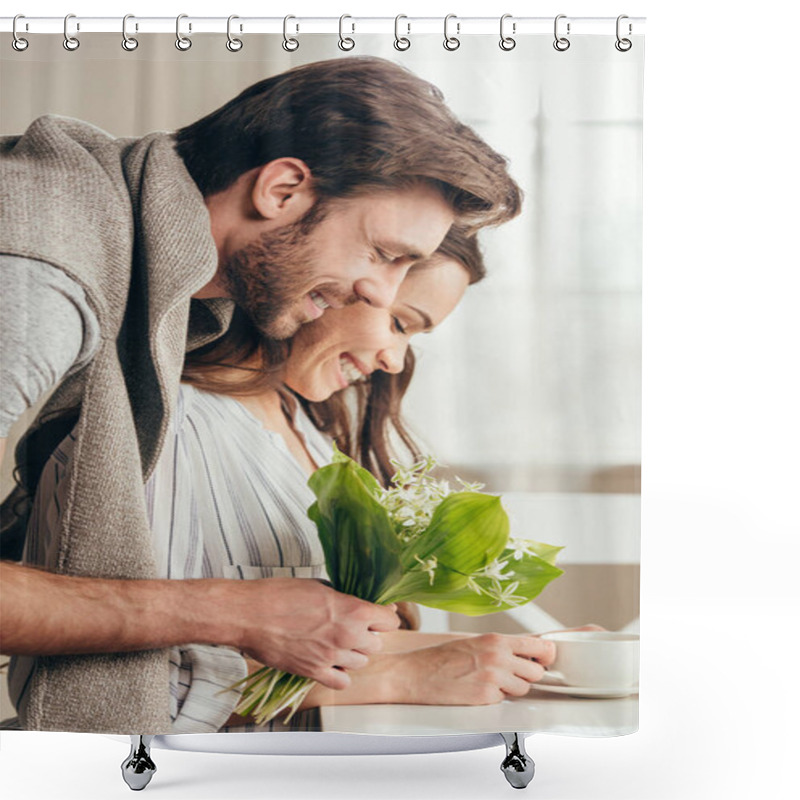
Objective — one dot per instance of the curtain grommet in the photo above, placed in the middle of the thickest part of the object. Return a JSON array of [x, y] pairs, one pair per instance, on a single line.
[[507, 43], [70, 43], [401, 43], [289, 43], [17, 42], [561, 43], [182, 43], [623, 44], [129, 43], [451, 43], [233, 44], [346, 43]]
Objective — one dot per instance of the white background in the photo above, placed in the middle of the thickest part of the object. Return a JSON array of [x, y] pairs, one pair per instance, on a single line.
[[719, 703]]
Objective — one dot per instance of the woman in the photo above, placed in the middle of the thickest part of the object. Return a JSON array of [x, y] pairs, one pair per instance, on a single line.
[[365, 349], [228, 497]]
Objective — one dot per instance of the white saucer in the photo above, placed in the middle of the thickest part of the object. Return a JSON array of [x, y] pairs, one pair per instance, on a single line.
[[586, 691]]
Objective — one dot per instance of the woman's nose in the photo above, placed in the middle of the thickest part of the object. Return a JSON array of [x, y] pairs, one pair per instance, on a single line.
[[391, 359]]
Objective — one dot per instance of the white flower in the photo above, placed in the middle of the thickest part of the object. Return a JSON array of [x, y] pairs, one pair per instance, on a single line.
[[428, 566], [521, 548], [506, 595], [468, 486], [495, 571], [413, 497]]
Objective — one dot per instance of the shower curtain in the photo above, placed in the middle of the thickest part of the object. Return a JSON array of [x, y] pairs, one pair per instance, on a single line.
[[530, 389]]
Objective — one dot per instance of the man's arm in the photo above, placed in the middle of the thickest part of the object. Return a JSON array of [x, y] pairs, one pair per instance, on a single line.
[[297, 625], [47, 331]]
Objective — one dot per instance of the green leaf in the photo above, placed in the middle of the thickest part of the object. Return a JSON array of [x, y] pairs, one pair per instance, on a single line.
[[416, 584], [367, 478], [532, 573], [362, 553], [468, 530], [547, 552]]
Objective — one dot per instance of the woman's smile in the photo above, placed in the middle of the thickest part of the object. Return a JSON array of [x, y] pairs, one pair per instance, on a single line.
[[351, 369], [323, 358]]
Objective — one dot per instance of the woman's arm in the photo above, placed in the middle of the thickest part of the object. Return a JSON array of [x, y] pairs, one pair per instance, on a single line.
[[459, 669], [402, 640]]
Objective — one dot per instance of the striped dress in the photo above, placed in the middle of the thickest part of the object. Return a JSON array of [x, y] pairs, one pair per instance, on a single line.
[[226, 500]]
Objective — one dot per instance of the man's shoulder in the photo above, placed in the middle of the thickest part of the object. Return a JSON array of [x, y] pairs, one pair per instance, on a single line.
[[60, 149], [50, 129]]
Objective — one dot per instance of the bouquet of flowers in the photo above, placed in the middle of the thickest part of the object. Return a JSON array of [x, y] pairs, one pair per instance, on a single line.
[[416, 541]]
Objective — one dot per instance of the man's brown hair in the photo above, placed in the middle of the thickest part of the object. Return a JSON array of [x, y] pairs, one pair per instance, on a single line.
[[360, 124]]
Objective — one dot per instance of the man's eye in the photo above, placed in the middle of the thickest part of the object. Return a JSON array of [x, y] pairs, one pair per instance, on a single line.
[[384, 257], [398, 325]]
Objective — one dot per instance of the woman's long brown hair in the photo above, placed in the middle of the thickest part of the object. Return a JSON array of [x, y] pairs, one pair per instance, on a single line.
[[363, 419]]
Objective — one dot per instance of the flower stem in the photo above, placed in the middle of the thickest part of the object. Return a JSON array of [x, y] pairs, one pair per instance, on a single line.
[[269, 692]]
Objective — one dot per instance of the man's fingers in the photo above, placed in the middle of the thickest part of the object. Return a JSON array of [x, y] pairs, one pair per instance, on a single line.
[[350, 659], [384, 619], [368, 643], [333, 678]]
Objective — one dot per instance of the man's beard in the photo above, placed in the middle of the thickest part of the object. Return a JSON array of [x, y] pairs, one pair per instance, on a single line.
[[270, 276]]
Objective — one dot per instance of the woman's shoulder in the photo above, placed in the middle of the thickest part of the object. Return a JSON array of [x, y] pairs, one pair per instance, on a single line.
[[192, 409], [194, 403], [215, 421]]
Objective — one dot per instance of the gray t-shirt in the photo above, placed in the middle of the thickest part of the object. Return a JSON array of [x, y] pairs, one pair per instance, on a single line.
[[47, 332]]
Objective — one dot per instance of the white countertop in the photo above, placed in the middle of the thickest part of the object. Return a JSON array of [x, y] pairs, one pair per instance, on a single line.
[[537, 712]]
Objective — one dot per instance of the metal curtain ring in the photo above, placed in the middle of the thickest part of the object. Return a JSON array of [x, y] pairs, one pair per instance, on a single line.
[[623, 45], [233, 44], [401, 42], [506, 42], [71, 43], [183, 43], [561, 43], [18, 43], [345, 42], [451, 42], [129, 43], [289, 43]]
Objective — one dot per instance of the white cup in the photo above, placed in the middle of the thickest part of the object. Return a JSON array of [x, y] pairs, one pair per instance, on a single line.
[[594, 659]]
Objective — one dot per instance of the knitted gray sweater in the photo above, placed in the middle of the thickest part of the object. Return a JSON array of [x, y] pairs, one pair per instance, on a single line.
[[124, 219]]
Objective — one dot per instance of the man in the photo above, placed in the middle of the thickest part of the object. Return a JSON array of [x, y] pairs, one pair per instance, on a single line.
[[317, 187]]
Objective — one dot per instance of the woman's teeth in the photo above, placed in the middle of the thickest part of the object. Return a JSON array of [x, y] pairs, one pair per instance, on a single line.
[[318, 300], [352, 374]]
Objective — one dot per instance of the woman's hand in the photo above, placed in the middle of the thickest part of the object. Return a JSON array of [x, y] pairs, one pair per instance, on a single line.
[[589, 626], [476, 670]]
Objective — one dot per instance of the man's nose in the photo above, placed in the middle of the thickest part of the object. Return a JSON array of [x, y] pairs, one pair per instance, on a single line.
[[379, 289]]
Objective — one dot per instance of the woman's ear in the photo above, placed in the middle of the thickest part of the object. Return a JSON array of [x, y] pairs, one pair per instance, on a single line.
[[283, 190]]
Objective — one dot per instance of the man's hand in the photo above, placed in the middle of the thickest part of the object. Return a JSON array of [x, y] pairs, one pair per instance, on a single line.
[[294, 624], [304, 627]]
